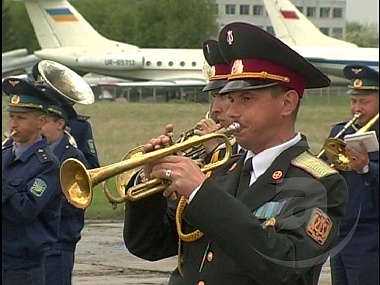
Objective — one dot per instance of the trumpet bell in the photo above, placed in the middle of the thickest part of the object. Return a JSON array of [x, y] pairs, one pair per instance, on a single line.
[[335, 152], [76, 183], [66, 82]]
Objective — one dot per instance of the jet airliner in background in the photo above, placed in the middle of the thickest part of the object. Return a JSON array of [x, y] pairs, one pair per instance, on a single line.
[[66, 37], [328, 54]]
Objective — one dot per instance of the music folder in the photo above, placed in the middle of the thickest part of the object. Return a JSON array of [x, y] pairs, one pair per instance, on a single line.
[[368, 138]]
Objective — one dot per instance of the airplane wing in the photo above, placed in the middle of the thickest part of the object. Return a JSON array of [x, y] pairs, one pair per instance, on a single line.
[[17, 61]]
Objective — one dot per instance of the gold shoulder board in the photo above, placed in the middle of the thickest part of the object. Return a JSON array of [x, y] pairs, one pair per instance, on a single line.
[[313, 165]]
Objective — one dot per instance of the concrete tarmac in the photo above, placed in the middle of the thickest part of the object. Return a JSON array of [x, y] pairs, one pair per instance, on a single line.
[[101, 258]]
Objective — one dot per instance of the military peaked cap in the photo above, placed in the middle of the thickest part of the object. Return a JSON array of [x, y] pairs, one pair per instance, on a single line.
[[59, 104], [24, 96], [219, 68], [260, 60], [364, 80]]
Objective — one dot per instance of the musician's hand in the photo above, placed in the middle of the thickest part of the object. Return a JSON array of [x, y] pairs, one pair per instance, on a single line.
[[358, 159], [157, 143], [207, 126], [184, 174]]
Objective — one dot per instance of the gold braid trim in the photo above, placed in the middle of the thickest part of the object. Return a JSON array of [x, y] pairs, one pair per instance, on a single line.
[[313, 165], [263, 75], [195, 235], [216, 77]]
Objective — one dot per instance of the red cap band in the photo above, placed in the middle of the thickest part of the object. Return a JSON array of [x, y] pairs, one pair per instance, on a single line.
[[268, 70]]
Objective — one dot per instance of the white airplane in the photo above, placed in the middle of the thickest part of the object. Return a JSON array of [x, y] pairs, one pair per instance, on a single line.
[[66, 37], [328, 54], [17, 62]]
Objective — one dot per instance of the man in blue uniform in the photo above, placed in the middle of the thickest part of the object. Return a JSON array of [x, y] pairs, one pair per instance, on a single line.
[[355, 259], [80, 128], [31, 196], [59, 260], [274, 216]]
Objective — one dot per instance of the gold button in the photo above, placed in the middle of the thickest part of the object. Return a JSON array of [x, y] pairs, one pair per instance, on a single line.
[[210, 255], [201, 283]]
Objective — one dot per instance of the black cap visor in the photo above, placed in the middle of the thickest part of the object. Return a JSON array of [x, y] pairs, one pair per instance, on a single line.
[[215, 84]]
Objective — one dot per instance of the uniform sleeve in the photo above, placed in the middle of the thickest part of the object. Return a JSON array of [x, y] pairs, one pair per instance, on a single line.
[[149, 227], [286, 248], [22, 202]]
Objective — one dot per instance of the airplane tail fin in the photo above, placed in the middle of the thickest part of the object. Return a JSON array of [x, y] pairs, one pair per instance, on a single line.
[[58, 24], [293, 28]]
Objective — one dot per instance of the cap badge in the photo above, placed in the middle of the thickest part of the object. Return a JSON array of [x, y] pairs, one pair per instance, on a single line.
[[13, 82], [237, 67], [358, 83], [230, 37], [356, 70], [207, 72], [277, 174], [15, 99]]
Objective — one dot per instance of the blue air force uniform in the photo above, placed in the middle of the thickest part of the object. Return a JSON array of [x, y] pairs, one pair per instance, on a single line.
[[59, 260], [31, 197], [81, 130], [355, 259]]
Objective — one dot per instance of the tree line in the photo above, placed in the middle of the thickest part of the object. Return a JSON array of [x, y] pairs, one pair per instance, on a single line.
[[145, 23]]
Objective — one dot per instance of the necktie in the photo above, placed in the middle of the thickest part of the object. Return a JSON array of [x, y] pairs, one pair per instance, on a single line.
[[245, 177]]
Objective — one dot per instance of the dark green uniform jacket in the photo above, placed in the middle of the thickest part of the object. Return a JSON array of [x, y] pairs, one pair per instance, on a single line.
[[242, 244]]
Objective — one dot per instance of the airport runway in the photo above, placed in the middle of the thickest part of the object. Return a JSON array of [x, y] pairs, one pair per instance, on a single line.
[[101, 258]]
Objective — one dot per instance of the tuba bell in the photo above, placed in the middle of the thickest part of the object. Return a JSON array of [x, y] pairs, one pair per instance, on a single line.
[[66, 82], [334, 148], [77, 182]]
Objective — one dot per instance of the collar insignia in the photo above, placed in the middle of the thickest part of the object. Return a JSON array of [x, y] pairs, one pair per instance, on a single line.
[[277, 174]]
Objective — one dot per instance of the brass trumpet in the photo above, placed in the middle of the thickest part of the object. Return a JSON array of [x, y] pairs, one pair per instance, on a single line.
[[77, 182], [335, 147]]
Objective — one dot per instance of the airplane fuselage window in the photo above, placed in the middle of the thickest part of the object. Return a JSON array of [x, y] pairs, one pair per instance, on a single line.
[[170, 63], [182, 63], [148, 63], [194, 64], [159, 63]]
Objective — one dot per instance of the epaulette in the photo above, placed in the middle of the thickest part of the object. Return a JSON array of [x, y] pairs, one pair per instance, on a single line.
[[82, 117], [313, 165], [42, 155]]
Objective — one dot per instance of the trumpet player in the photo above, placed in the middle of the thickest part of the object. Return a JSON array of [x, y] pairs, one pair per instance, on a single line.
[[357, 262], [31, 196], [274, 215]]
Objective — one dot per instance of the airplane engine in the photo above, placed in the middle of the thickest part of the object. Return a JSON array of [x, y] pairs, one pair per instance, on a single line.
[[112, 61]]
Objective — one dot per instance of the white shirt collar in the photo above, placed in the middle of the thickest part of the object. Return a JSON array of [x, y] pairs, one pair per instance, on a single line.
[[262, 161]]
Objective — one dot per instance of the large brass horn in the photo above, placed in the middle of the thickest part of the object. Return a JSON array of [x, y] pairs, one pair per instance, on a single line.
[[66, 82], [335, 148], [77, 182]]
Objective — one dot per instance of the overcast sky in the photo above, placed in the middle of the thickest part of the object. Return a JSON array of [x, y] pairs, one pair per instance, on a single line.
[[363, 11]]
